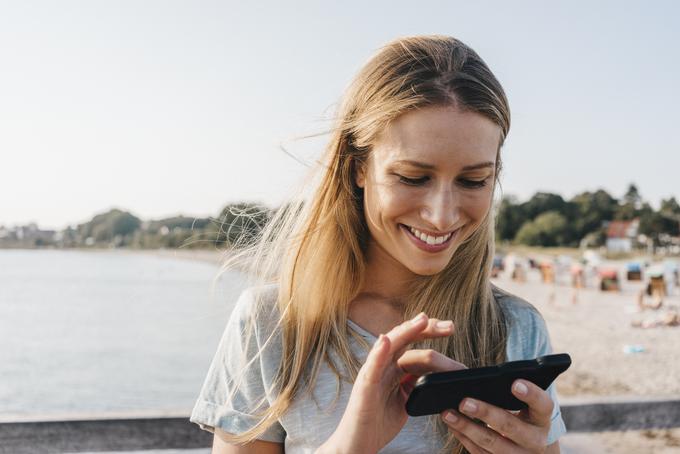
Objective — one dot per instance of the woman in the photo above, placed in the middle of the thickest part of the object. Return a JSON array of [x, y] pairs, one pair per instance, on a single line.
[[399, 227]]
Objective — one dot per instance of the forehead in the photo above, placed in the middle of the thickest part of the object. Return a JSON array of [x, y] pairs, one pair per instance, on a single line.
[[443, 136]]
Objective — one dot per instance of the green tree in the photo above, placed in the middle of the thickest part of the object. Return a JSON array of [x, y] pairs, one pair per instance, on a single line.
[[630, 205], [656, 224], [509, 218], [542, 202], [591, 210], [670, 211], [548, 229], [239, 224], [103, 228], [182, 222]]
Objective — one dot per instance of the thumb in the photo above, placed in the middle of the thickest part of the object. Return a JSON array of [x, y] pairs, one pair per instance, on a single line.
[[408, 382]]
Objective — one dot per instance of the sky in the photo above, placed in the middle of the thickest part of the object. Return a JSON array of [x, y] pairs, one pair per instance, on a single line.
[[180, 107]]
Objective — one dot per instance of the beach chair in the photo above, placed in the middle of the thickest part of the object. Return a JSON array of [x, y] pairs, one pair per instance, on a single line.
[[634, 271], [609, 279]]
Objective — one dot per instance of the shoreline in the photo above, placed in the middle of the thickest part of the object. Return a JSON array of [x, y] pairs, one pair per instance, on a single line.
[[202, 255]]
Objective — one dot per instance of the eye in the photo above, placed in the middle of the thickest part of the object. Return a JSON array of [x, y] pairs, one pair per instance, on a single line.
[[473, 184], [413, 181]]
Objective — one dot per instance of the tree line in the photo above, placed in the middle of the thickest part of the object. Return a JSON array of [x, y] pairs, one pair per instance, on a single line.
[[547, 219], [236, 223]]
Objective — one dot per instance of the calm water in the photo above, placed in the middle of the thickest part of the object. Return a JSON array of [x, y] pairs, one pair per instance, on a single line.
[[85, 332]]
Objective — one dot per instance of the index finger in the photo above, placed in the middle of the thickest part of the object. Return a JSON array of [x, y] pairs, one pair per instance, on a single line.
[[407, 332], [418, 328], [539, 402]]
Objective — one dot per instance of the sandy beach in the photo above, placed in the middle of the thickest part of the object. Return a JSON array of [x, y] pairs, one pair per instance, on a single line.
[[596, 329]]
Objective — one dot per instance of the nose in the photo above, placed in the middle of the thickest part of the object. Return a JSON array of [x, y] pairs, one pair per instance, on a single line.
[[441, 209]]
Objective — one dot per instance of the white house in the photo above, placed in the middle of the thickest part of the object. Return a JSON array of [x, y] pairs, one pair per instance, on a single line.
[[621, 235]]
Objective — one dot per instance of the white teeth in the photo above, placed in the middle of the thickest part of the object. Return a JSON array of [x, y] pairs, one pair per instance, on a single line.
[[429, 239]]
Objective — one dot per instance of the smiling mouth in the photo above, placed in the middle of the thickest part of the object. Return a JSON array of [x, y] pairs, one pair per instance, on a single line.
[[429, 239]]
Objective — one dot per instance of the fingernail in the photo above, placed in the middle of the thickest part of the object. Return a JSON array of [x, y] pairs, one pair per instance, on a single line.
[[521, 388], [415, 320], [469, 406], [444, 324], [451, 418]]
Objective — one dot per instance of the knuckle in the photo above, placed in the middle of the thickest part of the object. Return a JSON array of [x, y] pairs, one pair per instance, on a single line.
[[507, 427], [463, 424], [538, 443], [429, 355], [550, 406], [363, 377], [488, 439], [397, 330]]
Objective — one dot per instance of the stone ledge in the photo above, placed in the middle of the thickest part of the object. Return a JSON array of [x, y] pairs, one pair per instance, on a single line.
[[124, 434], [109, 432], [621, 413]]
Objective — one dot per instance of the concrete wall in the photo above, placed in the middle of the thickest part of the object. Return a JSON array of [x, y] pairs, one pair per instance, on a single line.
[[176, 432]]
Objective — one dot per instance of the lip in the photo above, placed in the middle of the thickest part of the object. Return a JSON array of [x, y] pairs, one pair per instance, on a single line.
[[428, 247]]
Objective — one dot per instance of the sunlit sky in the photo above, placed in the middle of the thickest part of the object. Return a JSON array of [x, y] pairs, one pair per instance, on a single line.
[[179, 107]]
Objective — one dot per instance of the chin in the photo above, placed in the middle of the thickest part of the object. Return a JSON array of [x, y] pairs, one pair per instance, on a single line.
[[431, 267], [428, 270]]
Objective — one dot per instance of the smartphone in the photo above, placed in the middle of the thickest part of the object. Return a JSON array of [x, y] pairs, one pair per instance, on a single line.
[[439, 391]]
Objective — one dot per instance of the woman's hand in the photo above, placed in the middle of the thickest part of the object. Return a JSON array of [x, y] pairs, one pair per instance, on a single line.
[[504, 432], [376, 412]]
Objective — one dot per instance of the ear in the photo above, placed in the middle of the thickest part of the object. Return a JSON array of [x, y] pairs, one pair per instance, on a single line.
[[360, 173]]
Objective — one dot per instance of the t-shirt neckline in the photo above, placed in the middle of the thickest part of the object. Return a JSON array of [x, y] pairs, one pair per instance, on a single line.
[[360, 330]]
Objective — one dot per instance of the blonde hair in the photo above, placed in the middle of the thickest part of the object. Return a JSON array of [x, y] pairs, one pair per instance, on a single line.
[[315, 249]]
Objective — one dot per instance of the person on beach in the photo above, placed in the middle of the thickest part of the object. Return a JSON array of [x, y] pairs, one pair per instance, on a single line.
[[380, 275]]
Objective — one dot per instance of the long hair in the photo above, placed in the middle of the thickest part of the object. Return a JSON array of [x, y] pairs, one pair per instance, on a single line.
[[315, 248]]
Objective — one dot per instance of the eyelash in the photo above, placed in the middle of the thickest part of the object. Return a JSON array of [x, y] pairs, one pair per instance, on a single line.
[[469, 184]]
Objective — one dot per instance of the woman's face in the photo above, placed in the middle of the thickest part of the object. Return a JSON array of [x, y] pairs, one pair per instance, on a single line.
[[428, 184]]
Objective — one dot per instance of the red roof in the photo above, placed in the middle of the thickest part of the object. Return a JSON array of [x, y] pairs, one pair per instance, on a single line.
[[619, 229]]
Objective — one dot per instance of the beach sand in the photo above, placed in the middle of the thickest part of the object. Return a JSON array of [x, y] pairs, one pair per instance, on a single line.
[[595, 327]]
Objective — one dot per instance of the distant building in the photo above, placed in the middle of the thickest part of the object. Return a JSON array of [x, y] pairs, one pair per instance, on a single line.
[[621, 235], [26, 236]]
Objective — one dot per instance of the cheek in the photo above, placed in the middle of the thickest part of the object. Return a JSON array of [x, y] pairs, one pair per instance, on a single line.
[[477, 205], [388, 200]]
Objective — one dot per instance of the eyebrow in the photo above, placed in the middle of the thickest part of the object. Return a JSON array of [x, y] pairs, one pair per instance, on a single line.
[[425, 166]]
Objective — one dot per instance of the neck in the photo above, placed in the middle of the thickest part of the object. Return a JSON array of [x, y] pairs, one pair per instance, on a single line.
[[385, 278]]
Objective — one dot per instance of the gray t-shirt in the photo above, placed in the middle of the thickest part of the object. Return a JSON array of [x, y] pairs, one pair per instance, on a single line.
[[310, 421]]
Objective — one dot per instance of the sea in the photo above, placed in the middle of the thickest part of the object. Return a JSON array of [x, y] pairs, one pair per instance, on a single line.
[[107, 332]]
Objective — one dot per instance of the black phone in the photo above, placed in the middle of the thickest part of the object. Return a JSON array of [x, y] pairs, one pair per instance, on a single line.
[[439, 391]]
